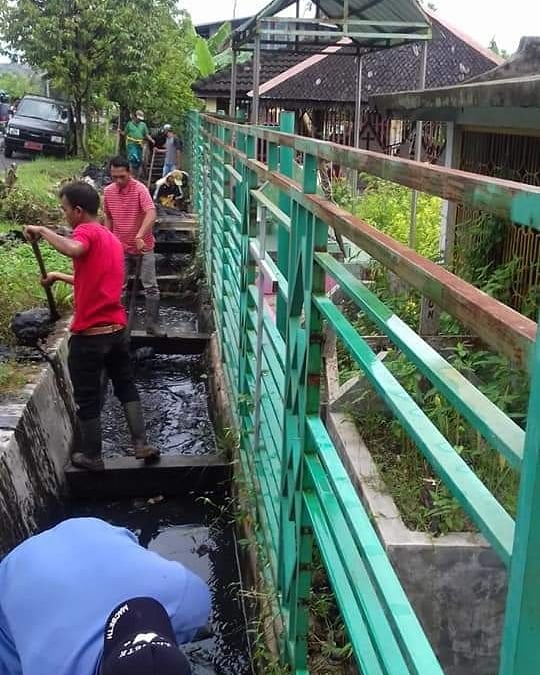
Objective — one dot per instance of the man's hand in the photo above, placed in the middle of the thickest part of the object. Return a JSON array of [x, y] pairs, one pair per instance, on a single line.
[[49, 280], [33, 232], [139, 244]]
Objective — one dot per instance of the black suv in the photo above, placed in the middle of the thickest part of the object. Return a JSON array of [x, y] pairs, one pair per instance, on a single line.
[[41, 125]]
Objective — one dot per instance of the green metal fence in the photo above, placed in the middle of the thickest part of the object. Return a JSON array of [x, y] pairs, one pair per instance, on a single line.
[[273, 369]]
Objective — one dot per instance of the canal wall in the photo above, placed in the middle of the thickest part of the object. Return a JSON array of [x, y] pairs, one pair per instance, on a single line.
[[36, 435]]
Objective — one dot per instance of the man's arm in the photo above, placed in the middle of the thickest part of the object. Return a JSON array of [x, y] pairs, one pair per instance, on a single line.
[[179, 148], [147, 206], [68, 247], [146, 226], [53, 277], [107, 218], [148, 137]]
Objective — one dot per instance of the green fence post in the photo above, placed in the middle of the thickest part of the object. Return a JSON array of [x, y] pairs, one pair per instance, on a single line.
[[521, 649], [302, 359], [286, 164], [248, 271], [218, 195]]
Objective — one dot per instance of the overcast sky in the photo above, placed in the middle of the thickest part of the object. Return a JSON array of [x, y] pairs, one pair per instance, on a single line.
[[481, 19]]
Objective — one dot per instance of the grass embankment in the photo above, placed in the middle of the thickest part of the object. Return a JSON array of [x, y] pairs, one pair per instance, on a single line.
[[33, 200], [422, 498]]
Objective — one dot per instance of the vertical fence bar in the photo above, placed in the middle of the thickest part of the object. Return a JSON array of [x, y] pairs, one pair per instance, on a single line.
[[295, 537], [260, 316], [249, 229], [286, 166], [520, 650]]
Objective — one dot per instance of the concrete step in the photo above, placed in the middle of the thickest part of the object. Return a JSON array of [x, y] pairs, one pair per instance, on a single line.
[[168, 283], [175, 341], [127, 477], [187, 246], [177, 225]]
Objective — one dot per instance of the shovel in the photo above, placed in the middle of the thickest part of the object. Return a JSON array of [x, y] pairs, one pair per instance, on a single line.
[[48, 291]]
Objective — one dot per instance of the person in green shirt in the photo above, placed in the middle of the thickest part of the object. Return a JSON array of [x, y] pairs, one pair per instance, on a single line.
[[136, 132]]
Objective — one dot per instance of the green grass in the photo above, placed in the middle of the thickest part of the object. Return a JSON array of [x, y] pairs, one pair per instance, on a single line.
[[13, 376], [20, 288], [34, 199], [44, 175]]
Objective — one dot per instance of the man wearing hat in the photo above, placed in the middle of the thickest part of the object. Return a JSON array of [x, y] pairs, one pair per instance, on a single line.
[[84, 598], [136, 132], [168, 191]]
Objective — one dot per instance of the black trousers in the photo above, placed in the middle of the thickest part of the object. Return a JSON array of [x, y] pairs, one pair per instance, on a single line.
[[90, 356]]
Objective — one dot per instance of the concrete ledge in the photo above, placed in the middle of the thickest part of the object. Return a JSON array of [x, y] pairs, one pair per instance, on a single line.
[[127, 477], [36, 435]]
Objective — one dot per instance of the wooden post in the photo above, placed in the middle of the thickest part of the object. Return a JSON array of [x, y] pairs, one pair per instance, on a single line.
[[234, 73], [430, 314], [357, 117], [418, 147], [256, 78]]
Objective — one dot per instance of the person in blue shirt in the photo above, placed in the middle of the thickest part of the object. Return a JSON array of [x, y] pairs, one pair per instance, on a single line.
[[84, 598]]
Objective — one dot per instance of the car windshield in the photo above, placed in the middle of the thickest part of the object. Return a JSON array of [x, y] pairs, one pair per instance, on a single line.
[[42, 110]]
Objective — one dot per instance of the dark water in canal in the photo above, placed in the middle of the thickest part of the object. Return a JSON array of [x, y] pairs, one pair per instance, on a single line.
[[174, 397], [197, 532]]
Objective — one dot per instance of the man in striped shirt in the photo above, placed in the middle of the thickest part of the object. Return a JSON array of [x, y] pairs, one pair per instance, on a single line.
[[130, 214]]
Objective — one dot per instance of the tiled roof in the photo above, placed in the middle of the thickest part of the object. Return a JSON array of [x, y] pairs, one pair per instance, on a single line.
[[451, 60], [273, 62]]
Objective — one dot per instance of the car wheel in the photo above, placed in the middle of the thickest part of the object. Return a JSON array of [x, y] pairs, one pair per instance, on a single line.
[[8, 152]]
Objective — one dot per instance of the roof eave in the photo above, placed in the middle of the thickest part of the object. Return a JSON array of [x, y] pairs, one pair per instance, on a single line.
[[515, 93], [408, 30]]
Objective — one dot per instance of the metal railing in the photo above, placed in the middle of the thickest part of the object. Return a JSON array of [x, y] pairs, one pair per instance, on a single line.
[[272, 363]]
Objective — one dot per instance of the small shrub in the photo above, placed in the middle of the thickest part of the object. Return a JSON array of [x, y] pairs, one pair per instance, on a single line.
[[101, 145], [387, 206]]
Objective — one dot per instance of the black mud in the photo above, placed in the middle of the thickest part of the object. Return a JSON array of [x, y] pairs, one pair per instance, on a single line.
[[174, 397]]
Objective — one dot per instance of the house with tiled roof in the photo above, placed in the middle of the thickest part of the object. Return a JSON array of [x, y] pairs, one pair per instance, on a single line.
[[215, 90], [493, 128], [321, 88]]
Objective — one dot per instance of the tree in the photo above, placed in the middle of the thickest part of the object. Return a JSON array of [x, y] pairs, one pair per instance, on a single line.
[[130, 51], [495, 49], [214, 54], [160, 83], [68, 39], [18, 85]]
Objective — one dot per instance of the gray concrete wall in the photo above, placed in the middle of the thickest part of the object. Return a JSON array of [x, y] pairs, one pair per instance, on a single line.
[[36, 434]]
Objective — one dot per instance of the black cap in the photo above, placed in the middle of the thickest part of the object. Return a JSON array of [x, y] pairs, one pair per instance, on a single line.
[[139, 640]]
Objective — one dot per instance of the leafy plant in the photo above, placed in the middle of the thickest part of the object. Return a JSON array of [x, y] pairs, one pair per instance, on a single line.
[[20, 288], [387, 206]]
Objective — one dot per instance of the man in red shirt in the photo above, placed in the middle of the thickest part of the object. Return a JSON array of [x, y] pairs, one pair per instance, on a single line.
[[130, 214], [98, 342]]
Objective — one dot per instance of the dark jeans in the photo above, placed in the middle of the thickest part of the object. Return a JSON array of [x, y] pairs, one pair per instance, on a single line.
[[89, 357]]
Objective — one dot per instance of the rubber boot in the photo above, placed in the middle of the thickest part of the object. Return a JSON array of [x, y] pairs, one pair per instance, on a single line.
[[89, 456], [152, 317], [135, 420]]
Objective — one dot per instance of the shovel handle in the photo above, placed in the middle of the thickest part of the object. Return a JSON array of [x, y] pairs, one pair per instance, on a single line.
[[48, 291]]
